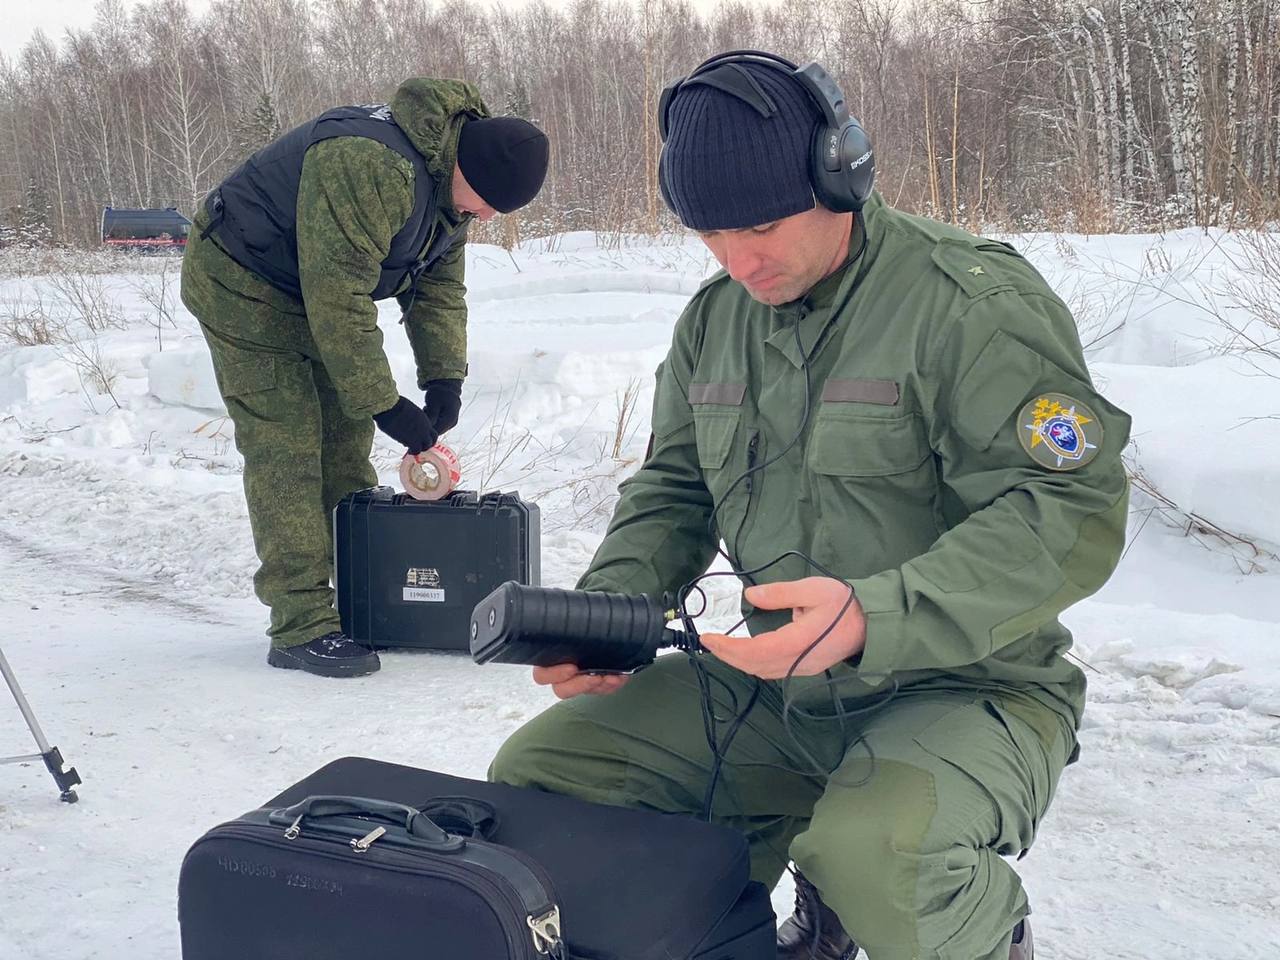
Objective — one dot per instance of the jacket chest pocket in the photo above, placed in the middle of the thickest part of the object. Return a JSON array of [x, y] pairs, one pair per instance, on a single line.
[[715, 430], [848, 445], [875, 486], [723, 441]]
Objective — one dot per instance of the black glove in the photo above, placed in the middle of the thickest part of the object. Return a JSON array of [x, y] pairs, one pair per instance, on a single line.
[[406, 424], [444, 401]]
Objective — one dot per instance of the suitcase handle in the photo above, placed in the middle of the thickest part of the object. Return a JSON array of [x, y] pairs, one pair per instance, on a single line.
[[416, 823]]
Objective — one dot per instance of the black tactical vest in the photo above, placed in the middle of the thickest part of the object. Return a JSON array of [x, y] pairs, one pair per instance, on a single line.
[[254, 211]]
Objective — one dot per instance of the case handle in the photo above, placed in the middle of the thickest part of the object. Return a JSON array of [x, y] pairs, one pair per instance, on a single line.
[[416, 823]]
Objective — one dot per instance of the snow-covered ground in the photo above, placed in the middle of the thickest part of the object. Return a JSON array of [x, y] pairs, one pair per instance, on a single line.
[[126, 562]]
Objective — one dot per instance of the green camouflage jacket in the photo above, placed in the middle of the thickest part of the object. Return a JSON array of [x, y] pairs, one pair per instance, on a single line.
[[354, 196]]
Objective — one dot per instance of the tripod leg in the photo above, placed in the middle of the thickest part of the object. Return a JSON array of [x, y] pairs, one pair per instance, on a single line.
[[65, 779]]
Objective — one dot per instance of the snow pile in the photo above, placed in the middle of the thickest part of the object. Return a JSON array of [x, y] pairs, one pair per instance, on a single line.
[[184, 378], [1207, 436]]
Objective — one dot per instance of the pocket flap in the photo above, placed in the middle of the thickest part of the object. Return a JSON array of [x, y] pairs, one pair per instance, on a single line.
[[248, 376], [715, 430], [853, 446], [995, 388]]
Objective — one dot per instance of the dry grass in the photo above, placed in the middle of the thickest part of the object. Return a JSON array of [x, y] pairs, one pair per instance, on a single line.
[[1256, 295], [25, 321], [1249, 556]]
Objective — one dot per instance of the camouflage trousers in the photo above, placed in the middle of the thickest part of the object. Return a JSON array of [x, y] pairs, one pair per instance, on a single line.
[[302, 454], [902, 819]]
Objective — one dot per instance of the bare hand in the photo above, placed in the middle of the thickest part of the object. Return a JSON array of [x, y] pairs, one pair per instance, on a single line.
[[815, 602], [566, 680]]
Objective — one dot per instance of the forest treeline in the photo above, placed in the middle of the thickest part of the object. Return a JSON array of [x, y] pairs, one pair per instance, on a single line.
[[1110, 116]]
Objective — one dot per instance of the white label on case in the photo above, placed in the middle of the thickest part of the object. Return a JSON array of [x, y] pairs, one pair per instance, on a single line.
[[423, 595]]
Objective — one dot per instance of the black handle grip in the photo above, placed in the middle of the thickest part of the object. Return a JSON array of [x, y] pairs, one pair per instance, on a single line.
[[543, 626], [415, 822]]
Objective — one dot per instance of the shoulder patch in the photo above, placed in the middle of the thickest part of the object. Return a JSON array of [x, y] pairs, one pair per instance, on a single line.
[[1059, 432], [976, 271]]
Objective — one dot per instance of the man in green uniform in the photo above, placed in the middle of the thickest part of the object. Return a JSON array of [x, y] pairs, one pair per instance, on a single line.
[[283, 268], [863, 399]]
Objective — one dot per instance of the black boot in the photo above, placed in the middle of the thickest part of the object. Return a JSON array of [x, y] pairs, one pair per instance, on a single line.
[[813, 932], [333, 655]]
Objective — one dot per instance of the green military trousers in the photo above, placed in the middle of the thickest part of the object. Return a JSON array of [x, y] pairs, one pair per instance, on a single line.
[[302, 454], [904, 834]]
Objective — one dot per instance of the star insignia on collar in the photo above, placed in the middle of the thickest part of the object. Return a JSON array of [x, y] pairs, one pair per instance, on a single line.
[[976, 271]]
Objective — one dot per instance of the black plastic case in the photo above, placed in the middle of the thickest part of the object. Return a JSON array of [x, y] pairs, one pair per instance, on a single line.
[[409, 572]]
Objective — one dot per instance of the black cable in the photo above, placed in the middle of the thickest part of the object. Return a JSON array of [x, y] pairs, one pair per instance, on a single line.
[[805, 358], [705, 603], [788, 706], [719, 748]]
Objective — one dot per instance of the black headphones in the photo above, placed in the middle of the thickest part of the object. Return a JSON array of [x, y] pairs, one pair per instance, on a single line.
[[842, 166]]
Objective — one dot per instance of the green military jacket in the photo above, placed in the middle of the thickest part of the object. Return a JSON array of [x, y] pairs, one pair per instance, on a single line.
[[955, 463], [354, 196]]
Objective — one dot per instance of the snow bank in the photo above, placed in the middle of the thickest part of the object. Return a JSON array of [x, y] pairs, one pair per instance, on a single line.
[[1208, 437], [184, 377]]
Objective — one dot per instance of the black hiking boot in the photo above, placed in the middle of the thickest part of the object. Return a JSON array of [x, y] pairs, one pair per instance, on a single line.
[[333, 655], [813, 932]]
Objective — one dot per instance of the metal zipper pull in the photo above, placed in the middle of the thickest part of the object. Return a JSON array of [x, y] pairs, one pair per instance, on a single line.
[[546, 932], [294, 830], [364, 843]]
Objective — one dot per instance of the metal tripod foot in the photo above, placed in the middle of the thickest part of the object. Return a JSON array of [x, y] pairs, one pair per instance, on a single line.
[[52, 757], [65, 779]]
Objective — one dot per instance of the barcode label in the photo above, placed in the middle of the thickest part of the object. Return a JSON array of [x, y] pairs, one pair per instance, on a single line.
[[423, 595]]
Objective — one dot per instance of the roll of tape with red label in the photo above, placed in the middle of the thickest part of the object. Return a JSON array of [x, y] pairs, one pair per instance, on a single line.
[[431, 474]]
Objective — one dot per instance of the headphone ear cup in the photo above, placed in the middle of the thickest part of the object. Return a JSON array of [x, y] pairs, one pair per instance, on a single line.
[[829, 187], [857, 162], [847, 189]]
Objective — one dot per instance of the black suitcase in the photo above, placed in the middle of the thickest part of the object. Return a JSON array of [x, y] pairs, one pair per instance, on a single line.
[[552, 876], [408, 572]]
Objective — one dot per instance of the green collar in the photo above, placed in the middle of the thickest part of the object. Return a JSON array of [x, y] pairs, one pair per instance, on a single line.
[[822, 305], [823, 293]]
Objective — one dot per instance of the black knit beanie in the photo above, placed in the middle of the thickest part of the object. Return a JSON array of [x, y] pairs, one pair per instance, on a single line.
[[739, 138], [504, 159]]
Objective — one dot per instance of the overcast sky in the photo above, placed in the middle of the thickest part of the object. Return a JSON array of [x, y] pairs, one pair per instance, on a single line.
[[21, 18]]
